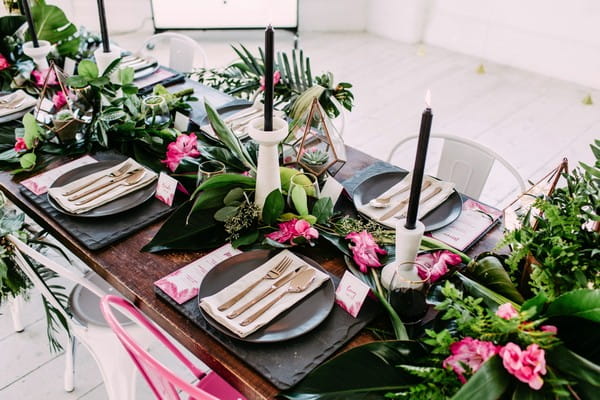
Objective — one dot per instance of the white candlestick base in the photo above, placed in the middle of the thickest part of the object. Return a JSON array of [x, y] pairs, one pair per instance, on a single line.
[[103, 60], [267, 174], [38, 54], [407, 247]]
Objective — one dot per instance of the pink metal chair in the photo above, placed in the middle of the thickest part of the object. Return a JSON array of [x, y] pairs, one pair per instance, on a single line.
[[164, 383]]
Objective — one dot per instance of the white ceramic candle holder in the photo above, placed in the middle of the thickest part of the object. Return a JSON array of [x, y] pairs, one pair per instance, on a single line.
[[38, 54], [103, 60], [407, 247], [267, 174]]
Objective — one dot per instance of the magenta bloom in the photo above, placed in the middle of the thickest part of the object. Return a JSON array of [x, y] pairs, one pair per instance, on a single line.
[[437, 263], [59, 100], [276, 79], [468, 355], [183, 146], [20, 145], [40, 76], [549, 328], [526, 365], [507, 311], [365, 250], [3, 63], [292, 229]]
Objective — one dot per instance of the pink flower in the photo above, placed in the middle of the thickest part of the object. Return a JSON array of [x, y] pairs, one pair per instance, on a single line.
[[549, 328], [3, 63], [292, 229], [40, 76], [507, 311], [20, 145], [468, 355], [276, 79], [365, 250], [437, 263], [59, 100], [183, 146], [527, 365]]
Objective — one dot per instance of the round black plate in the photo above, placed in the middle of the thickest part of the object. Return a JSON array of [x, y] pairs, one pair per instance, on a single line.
[[439, 217], [124, 203], [299, 319]]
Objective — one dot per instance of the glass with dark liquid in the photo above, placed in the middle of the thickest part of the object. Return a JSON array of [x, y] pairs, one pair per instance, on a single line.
[[409, 297]]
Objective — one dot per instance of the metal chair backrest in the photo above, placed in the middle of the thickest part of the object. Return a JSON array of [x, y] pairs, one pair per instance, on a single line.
[[182, 50]]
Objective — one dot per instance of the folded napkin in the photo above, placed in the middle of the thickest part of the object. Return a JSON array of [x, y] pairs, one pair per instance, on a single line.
[[16, 102], [239, 126], [98, 178], [211, 303], [375, 213]]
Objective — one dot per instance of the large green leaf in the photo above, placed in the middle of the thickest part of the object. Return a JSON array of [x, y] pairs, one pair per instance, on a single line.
[[488, 383], [574, 365], [300, 200], [490, 272], [88, 69], [228, 180], [10, 23], [476, 289], [365, 372], [32, 130], [51, 24], [581, 303], [274, 205], [323, 209], [524, 392], [210, 198]]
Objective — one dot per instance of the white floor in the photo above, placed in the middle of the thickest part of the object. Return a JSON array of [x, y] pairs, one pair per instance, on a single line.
[[532, 120]]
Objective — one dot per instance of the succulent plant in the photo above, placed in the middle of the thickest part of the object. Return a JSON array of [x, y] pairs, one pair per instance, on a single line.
[[315, 157]]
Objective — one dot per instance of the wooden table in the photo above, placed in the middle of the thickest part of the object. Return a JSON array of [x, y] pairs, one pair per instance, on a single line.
[[132, 273]]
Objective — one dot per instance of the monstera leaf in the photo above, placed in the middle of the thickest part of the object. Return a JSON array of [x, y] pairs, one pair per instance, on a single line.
[[51, 24]]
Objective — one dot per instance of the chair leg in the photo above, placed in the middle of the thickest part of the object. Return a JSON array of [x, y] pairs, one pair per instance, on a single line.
[[16, 307], [70, 364]]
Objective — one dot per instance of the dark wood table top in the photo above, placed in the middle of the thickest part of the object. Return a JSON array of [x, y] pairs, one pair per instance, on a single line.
[[133, 272]]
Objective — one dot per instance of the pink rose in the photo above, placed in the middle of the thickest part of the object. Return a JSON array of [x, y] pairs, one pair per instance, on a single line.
[[292, 229], [276, 79], [3, 63], [39, 77], [436, 263], [549, 328], [183, 146], [469, 353], [507, 311], [527, 365], [365, 250], [20, 145], [59, 100]]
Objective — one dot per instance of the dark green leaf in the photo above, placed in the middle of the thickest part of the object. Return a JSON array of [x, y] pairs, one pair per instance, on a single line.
[[210, 198], [323, 209], [225, 213], [524, 392], [234, 195], [228, 181], [274, 205], [87, 69], [490, 272], [573, 364], [536, 302], [488, 383], [246, 239], [582, 303], [77, 81]]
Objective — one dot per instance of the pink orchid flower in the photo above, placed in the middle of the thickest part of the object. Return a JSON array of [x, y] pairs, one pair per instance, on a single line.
[[365, 250], [3, 63], [59, 100], [39, 77], [507, 311], [549, 328], [276, 79], [20, 145], [183, 146], [525, 365], [292, 229], [436, 263], [468, 355]]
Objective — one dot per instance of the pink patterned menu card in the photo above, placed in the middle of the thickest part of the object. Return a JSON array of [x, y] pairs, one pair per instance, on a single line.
[[39, 184], [183, 284]]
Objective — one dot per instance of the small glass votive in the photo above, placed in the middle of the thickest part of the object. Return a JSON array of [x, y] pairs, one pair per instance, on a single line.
[[307, 181], [409, 298], [208, 169], [156, 111]]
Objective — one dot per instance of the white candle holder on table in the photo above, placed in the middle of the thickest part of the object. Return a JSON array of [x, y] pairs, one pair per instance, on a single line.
[[267, 174], [403, 269], [104, 59], [38, 54]]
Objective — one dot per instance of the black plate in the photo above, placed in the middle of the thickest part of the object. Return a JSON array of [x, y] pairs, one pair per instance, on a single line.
[[437, 218], [124, 203], [228, 110], [299, 319]]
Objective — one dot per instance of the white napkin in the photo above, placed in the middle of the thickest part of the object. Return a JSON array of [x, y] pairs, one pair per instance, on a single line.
[[19, 96], [98, 178], [211, 303], [240, 126], [424, 208]]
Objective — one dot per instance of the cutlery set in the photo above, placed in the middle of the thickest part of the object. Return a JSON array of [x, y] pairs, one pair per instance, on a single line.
[[295, 281], [12, 101], [404, 203]]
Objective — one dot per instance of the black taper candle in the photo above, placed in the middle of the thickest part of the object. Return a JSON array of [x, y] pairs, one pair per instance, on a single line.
[[269, 53], [103, 28], [27, 11], [419, 168]]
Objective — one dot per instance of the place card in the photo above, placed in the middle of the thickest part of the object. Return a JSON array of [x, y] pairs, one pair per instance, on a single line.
[[70, 65], [351, 293], [181, 122], [332, 189], [166, 188], [183, 284], [39, 184], [474, 221]]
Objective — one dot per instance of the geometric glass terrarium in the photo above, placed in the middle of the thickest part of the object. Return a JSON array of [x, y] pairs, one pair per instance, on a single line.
[[320, 149]]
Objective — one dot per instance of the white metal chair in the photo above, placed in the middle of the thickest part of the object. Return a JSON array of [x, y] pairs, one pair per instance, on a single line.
[[85, 322], [465, 163], [182, 50]]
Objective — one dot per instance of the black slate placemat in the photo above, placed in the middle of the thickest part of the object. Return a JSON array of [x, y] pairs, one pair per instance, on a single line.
[[285, 363], [95, 233]]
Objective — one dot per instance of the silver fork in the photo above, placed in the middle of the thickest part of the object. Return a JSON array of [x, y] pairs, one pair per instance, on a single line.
[[273, 273], [113, 174]]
